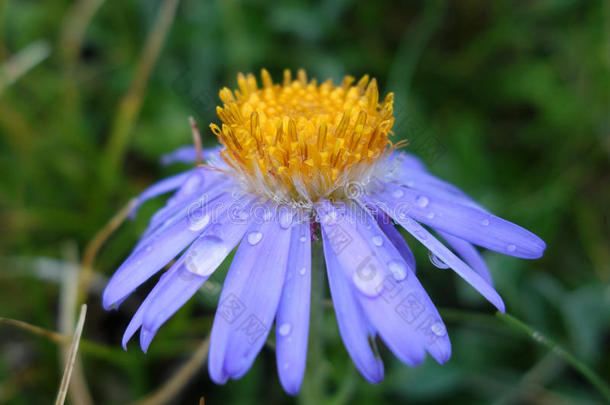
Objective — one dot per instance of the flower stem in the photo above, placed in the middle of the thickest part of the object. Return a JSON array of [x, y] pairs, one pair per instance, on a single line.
[[313, 389], [568, 357]]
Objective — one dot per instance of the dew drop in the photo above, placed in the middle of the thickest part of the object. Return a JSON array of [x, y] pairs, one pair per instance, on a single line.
[[149, 248], [303, 271], [397, 193], [369, 281], [285, 219], [254, 237], [422, 201], [267, 215], [242, 215], [303, 239], [377, 240], [285, 329], [430, 215], [197, 224], [409, 183], [398, 270], [485, 222], [438, 329], [511, 248], [204, 257], [436, 261]]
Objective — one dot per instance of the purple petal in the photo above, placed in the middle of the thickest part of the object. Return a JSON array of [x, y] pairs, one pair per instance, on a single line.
[[386, 225], [292, 321], [249, 300], [187, 201], [358, 246], [470, 254], [402, 161], [354, 328], [163, 247], [409, 171], [470, 224], [188, 154], [444, 254], [137, 319], [161, 187], [194, 267], [173, 292], [383, 280]]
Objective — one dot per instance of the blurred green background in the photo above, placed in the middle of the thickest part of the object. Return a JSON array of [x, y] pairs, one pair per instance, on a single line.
[[510, 100]]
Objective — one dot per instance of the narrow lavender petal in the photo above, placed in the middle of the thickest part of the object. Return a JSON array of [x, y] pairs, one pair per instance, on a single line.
[[373, 264], [386, 225], [202, 181], [264, 266], [408, 322], [409, 171], [173, 294], [352, 250], [161, 187], [472, 225], [401, 161], [444, 254], [354, 327], [163, 247], [249, 300], [138, 317], [399, 280], [187, 154], [197, 199], [292, 321], [470, 254], [195, 266]]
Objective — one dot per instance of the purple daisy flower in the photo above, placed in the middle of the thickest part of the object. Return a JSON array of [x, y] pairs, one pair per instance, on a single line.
[[300, 160]]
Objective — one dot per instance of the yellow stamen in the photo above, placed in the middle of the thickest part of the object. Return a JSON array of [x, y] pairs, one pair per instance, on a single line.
[[301, 140]]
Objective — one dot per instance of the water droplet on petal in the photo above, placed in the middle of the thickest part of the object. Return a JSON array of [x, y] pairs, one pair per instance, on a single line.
[[436, 261], [511, 248], [197, 224], [438, 329], [397, 193], [430, 215], [377, 240], [254, 237], [485, 222], [409, 183], [303, 239], [368, 280], [398, 270], [242, 215], [206, 255], [149, 248], [285, 218], [303, 271], [284, 329], [267, 215], [422, 201]]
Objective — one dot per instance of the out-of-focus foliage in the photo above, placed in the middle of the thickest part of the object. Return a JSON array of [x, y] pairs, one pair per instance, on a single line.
[[507, 99]]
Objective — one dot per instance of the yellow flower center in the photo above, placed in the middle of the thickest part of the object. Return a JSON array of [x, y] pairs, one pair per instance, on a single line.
[[300, 141]]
